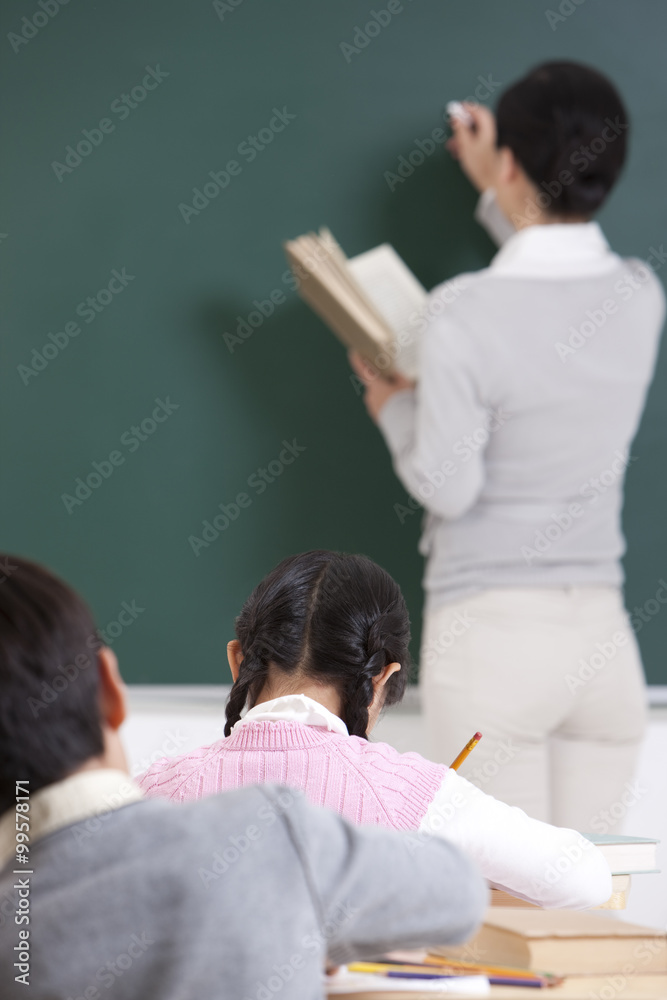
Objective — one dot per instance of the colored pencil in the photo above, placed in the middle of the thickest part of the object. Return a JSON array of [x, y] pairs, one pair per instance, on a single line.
[[410, 967], [491, 970], [498, 977], [536, 981], [395, 972], [466, 750]]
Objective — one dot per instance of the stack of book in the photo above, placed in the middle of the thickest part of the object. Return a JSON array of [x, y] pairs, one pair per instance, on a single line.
[[626, 856], [595, 955], [575, 955]]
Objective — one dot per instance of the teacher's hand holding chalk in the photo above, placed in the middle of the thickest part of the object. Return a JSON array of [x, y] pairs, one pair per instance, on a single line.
[[474, 146]]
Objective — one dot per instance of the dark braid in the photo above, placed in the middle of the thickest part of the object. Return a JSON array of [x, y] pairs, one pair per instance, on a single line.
[[271, 629], [252, 675], [359, 694], [340, 619]]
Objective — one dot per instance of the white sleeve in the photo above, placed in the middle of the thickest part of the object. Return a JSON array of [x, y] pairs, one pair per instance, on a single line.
[[544, 864], [490, 215]]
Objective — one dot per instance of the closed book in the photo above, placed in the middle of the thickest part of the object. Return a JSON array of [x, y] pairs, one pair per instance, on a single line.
[[615, 987], [627, 855], [563, 942]]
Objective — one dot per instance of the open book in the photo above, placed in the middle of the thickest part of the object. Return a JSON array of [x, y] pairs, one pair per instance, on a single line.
[[372, 302]]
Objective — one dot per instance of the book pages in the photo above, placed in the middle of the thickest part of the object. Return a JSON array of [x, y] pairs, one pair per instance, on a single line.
[[371, 302], [397, 295]]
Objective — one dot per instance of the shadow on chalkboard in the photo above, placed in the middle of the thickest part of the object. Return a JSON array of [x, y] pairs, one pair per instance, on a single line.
[[294, 375], [276, 360]]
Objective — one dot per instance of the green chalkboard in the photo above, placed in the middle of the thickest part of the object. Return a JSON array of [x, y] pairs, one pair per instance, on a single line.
[[120, 282]]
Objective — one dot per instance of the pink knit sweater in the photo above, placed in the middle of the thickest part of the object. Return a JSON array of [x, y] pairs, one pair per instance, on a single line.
[[369, 783]]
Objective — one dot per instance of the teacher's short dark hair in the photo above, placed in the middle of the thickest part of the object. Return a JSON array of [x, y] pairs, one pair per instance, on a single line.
[[49, 711], [567, 126]]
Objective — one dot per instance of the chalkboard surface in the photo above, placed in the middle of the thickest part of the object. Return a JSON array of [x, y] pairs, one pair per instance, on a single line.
[[160, 373]]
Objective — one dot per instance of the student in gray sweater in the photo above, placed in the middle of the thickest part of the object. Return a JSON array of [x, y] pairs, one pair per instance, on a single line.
[[242, 896], [516, 441]]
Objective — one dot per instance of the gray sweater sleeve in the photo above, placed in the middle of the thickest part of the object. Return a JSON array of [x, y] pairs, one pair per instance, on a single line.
[[436, 433], [374, 890]]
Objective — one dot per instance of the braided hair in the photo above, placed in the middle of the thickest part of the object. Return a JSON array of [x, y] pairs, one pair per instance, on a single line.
[[340, 619]]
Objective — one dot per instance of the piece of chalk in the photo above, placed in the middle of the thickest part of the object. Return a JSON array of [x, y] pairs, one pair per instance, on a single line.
[[456, 110]]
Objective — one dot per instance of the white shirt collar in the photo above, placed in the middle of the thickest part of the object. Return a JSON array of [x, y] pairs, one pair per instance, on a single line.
[[557, 250], [295, 708], [85, 794]]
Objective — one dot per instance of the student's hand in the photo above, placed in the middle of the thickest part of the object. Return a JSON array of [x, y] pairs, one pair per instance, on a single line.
[[377, 388], [475, 147]]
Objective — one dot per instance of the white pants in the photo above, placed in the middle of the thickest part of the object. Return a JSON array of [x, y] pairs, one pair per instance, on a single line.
[[552, 677]]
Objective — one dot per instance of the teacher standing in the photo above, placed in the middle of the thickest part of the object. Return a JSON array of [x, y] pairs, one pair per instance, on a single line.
[[515, 440]]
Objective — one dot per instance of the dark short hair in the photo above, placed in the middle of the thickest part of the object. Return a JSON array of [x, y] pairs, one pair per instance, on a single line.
[[556, 120], [49, 711], [337, 618]]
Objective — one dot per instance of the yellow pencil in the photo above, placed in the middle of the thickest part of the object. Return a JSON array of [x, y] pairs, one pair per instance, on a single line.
[[466, 750], [392, 967], [437, 961], [454, 968]]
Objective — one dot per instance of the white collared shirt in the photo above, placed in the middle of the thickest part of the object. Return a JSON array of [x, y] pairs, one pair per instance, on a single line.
[[555, 250], [84, 794], [295, 708]]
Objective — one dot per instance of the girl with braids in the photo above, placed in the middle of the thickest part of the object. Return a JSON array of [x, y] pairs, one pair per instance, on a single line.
[[321, 647]]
